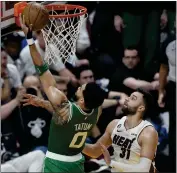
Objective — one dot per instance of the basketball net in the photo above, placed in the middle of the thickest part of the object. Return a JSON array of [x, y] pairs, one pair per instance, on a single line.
[[60, 37]]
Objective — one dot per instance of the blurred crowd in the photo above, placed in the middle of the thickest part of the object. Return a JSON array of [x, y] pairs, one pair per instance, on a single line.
[[121, 46]]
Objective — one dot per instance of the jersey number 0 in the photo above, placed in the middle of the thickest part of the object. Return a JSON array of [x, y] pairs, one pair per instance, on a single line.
[[75, 138]]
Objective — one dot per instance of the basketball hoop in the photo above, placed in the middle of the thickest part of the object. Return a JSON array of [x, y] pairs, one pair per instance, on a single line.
[[61, 34]]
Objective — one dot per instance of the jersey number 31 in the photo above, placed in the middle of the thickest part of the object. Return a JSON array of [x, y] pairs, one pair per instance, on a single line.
[[73, 144]]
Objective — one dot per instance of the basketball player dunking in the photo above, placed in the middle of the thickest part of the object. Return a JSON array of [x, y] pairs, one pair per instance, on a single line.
[[68, 130], [134, 140]]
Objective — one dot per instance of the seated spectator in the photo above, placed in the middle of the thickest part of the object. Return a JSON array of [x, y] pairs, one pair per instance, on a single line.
[[85, 75], [10, 77], [128, 76], [23, 59], [34, 83], [33, 132], [11, 161]]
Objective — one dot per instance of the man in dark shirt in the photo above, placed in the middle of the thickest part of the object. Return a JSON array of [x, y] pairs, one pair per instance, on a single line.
[[127, 77]]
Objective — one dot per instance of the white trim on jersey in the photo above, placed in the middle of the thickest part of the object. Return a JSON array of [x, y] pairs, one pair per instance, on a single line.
[[64, 158], [70, 111]]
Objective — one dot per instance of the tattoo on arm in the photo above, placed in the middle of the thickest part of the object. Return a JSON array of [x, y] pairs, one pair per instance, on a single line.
[[61, 113], [47, 105]]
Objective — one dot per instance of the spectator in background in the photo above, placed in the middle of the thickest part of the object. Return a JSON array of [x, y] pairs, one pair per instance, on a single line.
[[13, 46], [85, 75], [167, 91], [127, 77], [34, 83], [10, 77], [62, 86], [40, 44], [139, 23], [33, 131]]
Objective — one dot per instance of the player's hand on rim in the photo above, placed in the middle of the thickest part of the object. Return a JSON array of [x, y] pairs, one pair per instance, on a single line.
[[23, 26]]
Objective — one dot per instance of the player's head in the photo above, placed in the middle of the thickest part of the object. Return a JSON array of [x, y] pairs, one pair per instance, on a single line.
[[131, 57], [138, 102], [90, 95], [85, 74]]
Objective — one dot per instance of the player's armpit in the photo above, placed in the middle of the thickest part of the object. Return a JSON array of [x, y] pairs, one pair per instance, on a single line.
[[61, 113]]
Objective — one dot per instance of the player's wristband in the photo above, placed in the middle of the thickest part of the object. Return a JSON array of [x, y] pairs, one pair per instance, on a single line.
[[29, 35], [41, 69], [29, 38], [30, 41]]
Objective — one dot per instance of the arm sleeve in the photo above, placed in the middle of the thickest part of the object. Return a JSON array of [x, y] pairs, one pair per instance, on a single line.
[[143, 166]]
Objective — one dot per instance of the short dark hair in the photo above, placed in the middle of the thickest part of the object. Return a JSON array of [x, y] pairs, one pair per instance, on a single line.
[[93, 95], [80, 69], [133, 47], [148, 101]]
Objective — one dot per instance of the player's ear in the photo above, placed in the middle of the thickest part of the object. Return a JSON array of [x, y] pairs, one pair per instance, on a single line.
[[82, 100], [141, 108]]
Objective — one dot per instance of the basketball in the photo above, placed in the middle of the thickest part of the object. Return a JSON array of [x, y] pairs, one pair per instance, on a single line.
[[37, 15]]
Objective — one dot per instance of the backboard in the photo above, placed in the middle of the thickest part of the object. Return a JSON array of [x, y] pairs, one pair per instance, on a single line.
[[8, 24]]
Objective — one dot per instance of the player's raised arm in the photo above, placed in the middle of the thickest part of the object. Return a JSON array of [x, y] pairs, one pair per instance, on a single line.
[[47, 80], [57, 99]]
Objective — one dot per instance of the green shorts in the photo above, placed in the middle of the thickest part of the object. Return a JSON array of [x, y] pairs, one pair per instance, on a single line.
[[51, 165]]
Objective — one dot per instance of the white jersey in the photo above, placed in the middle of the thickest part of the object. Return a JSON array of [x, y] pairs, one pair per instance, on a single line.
[[125, 142]]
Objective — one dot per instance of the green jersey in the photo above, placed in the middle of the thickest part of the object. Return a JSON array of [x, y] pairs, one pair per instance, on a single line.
[[69, 139]]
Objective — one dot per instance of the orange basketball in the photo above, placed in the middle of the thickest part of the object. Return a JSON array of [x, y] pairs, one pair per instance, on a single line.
[[37, 15]]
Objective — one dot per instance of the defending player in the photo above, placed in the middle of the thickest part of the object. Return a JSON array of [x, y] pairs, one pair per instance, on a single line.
[[67, 133], [134, 140]]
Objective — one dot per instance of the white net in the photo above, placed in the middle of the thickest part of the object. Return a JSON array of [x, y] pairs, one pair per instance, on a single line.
[[60, 36]]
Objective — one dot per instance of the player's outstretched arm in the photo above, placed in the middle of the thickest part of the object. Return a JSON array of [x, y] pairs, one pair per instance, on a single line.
[[57, 99], [94, 150], [148, 143], [29, 99]]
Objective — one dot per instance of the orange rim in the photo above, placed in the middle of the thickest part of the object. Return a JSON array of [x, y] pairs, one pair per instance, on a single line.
[[66, 7]]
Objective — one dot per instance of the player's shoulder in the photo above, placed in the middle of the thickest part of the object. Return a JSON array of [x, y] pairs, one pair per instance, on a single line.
[[149, 132], [112, 125]]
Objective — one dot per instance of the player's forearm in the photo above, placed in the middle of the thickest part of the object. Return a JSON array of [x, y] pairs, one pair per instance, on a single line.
[[113, 94], [36, 57], [163, 77], [46, 105], [46, 77], [92, 150], [108, 103], [7, 109], [143, 166]]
